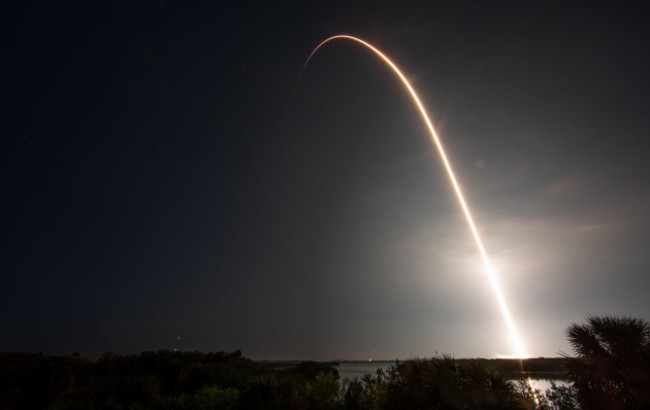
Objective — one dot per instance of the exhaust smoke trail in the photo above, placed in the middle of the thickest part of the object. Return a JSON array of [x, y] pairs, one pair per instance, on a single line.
[[514, 337]]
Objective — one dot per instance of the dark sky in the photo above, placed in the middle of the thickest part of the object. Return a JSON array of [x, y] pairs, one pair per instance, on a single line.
[[165, 173]]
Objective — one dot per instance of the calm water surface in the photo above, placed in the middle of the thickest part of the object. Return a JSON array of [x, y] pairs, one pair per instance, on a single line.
[[360, 369]]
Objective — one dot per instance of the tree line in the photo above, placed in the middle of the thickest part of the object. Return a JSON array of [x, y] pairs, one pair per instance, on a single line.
[[610, 370]]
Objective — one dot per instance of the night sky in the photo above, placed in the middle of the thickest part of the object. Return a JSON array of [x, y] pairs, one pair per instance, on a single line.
[[166, 172]]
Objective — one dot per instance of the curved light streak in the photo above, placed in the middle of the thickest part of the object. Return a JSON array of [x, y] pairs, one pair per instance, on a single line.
[[514, 337]]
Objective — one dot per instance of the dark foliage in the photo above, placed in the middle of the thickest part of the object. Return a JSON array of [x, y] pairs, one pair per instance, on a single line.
[[439, 383], [191, 380], [161, 380], [612, 370]]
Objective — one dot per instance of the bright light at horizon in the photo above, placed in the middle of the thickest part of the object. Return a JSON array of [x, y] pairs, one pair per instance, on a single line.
[[507, 356], [514, 337]]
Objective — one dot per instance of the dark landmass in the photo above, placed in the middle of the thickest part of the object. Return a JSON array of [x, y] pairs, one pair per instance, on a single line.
[[536, 368], [611, 371], [189, 380]]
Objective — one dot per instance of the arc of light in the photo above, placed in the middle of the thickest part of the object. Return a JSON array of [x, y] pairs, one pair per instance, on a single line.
[[514, 337]]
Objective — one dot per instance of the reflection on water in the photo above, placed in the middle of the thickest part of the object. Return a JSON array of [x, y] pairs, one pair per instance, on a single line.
[[545, 384]]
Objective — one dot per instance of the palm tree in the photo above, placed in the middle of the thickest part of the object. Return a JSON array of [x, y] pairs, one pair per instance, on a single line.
[[612, 370]]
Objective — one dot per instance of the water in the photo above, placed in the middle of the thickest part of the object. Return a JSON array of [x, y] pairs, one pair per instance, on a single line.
[[352, 370], [544, 384]]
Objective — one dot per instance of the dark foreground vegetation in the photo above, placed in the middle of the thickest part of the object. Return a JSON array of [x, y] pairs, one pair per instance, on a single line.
[[611, 371], [174, 380]]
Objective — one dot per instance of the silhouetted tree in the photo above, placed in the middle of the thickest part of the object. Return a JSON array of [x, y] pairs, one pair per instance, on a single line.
[[612, 370]]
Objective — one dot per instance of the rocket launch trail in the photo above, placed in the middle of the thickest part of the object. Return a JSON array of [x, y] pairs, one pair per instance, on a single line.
[[519, 351]]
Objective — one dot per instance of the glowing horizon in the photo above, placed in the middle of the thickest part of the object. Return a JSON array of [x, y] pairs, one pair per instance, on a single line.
[[515, 340]]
